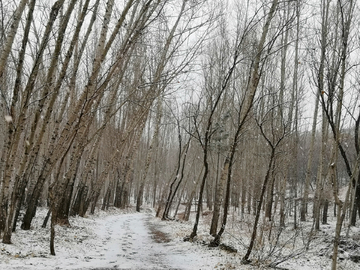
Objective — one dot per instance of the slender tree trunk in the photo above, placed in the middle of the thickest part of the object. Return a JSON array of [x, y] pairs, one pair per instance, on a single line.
[[270, 196], [191, 197], [10, 36], [154, 144], [308, 174], [181, 177], [177, 170], [219, 198], [282, 200], [245, 259], [320, 175]]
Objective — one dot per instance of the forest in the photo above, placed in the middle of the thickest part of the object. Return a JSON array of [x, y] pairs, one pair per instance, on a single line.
[[230, 110]]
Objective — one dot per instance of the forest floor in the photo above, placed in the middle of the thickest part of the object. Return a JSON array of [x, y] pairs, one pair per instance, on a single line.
[[119, 239], [109, 240]]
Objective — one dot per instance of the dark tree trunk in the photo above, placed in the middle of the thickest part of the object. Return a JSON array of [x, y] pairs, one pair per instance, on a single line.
[[172, 193], [46, 219], [83, 202], [118, 191], [188, 207], [52, 232], [201, 192], [325, 211], [356, 206], [209, 196], [18, 208], [106, 201], [170, 201], [14, 201], [80, 199], [270, 199], [94, 202], [76, 205], [64, 207], [124, 199], [33, 200], [139, 199]]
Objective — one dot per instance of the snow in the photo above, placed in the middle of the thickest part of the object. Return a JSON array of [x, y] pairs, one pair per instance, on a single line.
[[124, 239], [8, 118], [113, 239]]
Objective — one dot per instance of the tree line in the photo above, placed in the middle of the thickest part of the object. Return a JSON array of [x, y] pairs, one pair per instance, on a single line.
[[180, 104]]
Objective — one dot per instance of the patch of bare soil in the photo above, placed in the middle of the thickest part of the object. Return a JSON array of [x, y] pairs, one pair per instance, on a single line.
[[157, 235]]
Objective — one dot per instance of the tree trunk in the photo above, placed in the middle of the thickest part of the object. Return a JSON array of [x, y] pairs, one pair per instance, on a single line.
[[325, 211], [219, 197], [303, 209], [10, 36], [245, 259], [356, 204], [318, 198], [270, 196], [282, 201]]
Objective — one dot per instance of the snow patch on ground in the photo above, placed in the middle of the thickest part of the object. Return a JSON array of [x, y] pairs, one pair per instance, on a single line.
[[124, 239]]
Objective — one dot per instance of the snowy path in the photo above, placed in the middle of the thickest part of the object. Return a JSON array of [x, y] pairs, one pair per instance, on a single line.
[[130, 241], [120, 241]]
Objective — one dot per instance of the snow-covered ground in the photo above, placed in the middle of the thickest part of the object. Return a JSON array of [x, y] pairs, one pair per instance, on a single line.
[[128, 240], [107, 240]]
